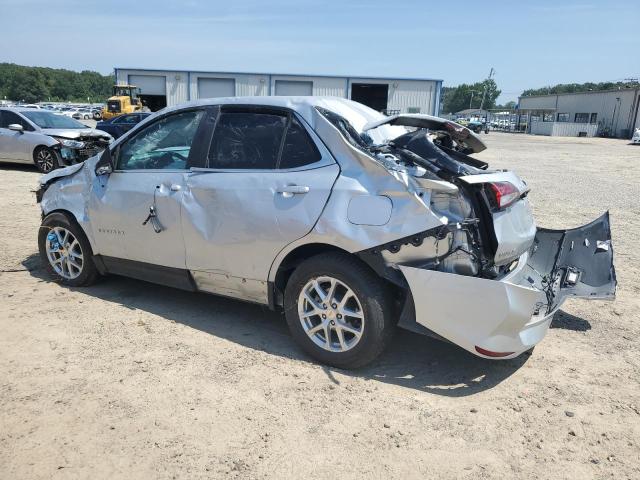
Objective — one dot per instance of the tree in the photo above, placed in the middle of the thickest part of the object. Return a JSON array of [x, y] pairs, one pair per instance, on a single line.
[[579, 87], [470, 96], [34, 84], [510, 105]]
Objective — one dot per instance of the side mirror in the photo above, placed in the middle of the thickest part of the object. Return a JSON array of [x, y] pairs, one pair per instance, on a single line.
[[105, 164], [16, 127]]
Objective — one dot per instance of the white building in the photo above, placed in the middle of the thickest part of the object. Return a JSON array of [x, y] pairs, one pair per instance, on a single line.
[[160, 88], [612, 113]]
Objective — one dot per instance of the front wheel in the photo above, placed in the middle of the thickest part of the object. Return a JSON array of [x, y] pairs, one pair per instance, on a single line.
[[45, 159], [66, 252], [339, 310]]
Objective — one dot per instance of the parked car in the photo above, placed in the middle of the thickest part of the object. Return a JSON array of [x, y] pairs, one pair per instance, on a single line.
[[82, 114], [636, 137], [477, 126], [350, 222], [46, 139], [118, 126]]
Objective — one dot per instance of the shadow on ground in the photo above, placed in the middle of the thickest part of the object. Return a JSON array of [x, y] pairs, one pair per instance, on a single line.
[[412, 360], [19, 167]]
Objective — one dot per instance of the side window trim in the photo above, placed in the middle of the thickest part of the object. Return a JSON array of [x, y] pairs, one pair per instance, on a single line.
[[117, 148], [326, 158]]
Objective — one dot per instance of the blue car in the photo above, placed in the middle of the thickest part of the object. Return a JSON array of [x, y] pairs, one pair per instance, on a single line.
[[118, 126]]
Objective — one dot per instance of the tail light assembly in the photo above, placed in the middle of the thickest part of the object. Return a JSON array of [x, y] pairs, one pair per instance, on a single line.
[[502, 194]]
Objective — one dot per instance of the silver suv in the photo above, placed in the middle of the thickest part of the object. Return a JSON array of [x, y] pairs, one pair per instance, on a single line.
[[350, 222]]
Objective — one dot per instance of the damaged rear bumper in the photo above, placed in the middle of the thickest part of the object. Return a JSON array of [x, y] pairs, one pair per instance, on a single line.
[[506, 317]]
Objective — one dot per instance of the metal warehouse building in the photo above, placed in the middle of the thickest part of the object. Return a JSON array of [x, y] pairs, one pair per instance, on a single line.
[[160, 88], [613, 113]]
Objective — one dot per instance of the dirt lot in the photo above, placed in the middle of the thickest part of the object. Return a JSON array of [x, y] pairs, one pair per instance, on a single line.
[[132, 380]]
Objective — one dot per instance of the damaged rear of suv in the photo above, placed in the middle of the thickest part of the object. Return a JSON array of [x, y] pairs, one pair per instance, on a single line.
[[348, 221]]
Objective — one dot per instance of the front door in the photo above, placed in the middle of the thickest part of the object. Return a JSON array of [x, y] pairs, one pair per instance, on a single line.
[[265, 184], [136, 210]]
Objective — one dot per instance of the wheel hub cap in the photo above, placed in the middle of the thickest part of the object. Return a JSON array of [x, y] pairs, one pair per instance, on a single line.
[[64, 253], [331, 314]]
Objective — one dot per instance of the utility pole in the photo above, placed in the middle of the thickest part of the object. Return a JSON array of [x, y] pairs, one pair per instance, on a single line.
[[484, 93]]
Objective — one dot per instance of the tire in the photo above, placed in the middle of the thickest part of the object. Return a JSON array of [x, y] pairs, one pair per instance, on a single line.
[[78, 277], [46, 159], [372, 301]]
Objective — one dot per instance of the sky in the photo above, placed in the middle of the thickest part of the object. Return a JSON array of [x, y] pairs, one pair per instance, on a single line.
[[529, 44]]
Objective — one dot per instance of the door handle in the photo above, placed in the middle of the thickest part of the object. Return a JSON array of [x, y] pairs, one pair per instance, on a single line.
[[291, 190], [175, 187]]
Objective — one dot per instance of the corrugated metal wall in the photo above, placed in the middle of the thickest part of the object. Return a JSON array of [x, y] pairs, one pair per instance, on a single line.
[[616, 109], [403, 94]]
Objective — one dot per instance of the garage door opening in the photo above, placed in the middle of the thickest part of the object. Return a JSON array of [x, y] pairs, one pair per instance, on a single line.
[[154, 102], [153, 90], [372, 95]]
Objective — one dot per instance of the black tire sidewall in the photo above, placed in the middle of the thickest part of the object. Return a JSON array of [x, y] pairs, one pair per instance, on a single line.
[[89, 272], [372, 294], [56, 162]]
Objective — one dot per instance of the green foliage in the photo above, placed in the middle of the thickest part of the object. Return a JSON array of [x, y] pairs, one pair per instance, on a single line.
[[460, 97], [510, 105], [37, 84], [579, 87]]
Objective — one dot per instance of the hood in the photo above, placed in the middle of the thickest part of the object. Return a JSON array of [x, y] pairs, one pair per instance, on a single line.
[[460, 134], [61, 172], [73, 133]]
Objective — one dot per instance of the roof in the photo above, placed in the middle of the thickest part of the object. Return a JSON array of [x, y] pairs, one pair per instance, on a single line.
[[588, 92], [186, 70], [357, 113], [470, 110]]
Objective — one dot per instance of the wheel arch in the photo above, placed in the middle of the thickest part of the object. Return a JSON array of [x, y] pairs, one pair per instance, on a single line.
[[72, 217], [281, 273]]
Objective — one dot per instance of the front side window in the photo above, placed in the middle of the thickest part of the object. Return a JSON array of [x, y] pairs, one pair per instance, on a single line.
[[163, 145], [247, 140], [9, 118], [126, 119]]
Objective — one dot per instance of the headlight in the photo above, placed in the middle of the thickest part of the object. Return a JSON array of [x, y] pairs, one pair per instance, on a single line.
[[70, 143]]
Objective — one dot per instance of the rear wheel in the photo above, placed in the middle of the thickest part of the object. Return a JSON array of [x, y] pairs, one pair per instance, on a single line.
[[339, 310], [66, 252], [45, 159]]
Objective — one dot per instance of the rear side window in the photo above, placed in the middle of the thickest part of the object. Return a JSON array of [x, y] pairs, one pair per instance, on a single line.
[[255, 140], [247, 140], [298, 148]]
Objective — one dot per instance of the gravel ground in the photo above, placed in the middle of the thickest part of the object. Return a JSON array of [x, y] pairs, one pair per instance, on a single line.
[[131, 380]]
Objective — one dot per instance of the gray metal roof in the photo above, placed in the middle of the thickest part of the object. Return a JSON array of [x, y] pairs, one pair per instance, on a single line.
[[275, 74]]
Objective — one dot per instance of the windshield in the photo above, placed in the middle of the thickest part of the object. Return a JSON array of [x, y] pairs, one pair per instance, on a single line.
[[51, 120]]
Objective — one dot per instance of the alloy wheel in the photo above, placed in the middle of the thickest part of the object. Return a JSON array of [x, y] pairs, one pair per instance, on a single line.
[[64, 253], [46, 160], [331, 314]]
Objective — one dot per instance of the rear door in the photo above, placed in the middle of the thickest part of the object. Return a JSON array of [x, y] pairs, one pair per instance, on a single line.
[[266, 181]]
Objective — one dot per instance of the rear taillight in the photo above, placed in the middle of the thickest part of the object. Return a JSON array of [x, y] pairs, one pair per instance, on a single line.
[[504, 194]]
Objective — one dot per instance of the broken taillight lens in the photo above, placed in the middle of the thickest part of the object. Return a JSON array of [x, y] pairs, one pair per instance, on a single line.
[[504, 194]]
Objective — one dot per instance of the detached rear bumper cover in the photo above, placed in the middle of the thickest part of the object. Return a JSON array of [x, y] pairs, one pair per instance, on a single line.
[[513, 314]]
